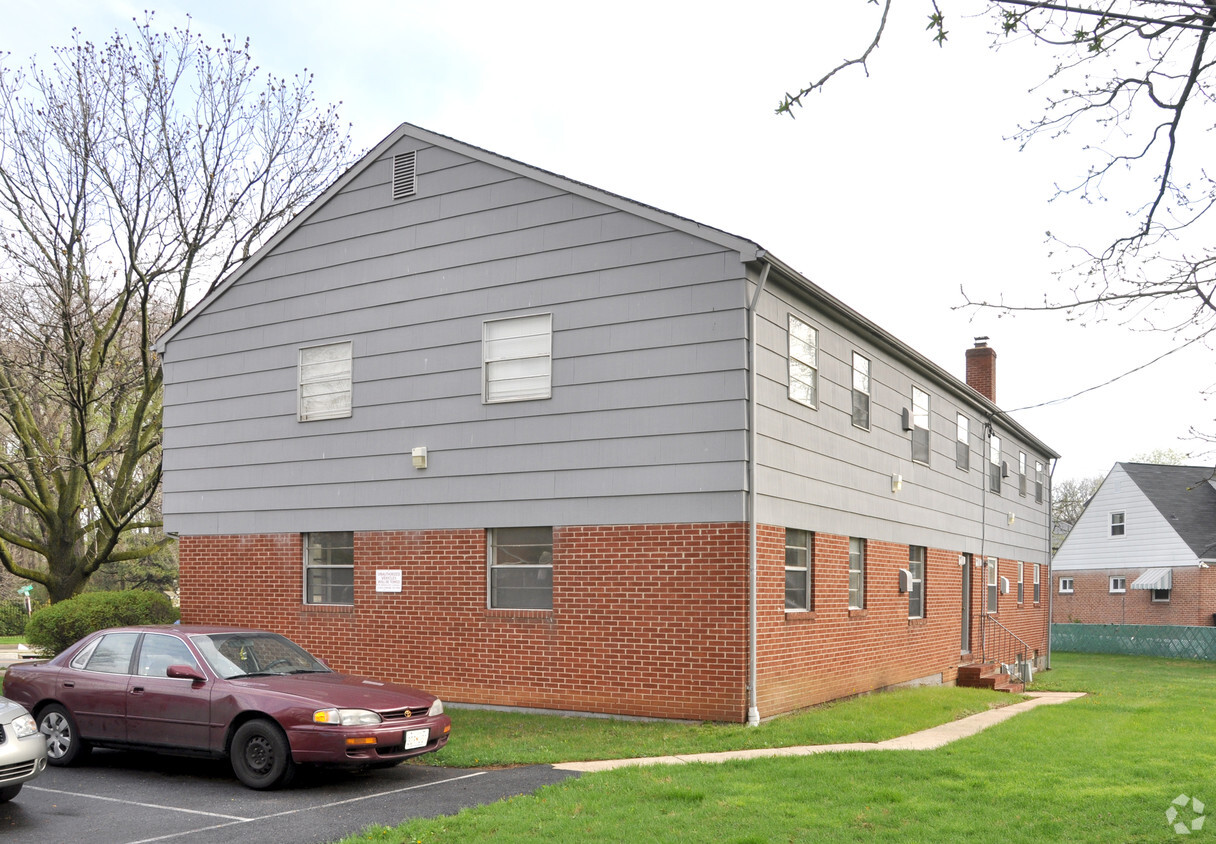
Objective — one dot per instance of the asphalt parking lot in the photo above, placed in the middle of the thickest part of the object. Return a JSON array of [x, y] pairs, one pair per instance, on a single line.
[[128, 798]]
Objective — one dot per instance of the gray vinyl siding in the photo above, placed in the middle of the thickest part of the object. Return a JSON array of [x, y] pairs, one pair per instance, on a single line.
[[648, 411], [816, 471]]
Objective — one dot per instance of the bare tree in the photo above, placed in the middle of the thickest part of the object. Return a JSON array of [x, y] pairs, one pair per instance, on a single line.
[[1068, 500], [133, 176], [1136, 85]]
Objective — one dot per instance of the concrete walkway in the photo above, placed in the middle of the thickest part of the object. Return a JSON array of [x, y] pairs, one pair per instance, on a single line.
[[929, 739]]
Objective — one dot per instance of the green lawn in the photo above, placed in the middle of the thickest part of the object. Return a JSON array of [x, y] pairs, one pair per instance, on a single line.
[[1104, 768], [482, 738]]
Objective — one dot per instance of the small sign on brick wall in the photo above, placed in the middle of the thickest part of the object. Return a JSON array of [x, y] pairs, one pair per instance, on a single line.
[[388, 580]]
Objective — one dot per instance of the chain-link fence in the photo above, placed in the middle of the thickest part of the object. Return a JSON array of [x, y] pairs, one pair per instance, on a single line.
[[1140, 639]]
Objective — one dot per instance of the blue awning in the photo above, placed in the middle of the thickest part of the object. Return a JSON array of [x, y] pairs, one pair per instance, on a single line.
[[1155, 579]]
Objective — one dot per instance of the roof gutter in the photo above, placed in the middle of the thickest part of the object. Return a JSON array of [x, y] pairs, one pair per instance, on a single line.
[[753, 709]]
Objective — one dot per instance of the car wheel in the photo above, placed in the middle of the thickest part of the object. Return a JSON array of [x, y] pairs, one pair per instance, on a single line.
[[64, 746], [7, 794], [261, 756]]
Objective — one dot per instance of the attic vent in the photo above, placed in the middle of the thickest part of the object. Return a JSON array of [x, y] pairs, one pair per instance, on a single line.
[[405, 182]]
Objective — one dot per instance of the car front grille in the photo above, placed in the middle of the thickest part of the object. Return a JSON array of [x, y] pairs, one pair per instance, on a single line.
[[3, 734], [18, 769], [398, 714]]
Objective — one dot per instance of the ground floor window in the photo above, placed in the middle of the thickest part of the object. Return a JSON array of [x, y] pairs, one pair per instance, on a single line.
[[994, 585], [329, 567], [798, 591], [1118, 584], [916, 590], [1066, 585], [1161, 596], [1037, 592], [521, 568], [857, 573]]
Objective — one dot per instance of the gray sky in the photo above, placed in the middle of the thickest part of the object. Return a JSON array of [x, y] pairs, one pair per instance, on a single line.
[[892, 192]]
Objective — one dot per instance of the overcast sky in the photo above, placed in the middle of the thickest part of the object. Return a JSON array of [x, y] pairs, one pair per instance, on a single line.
[[892, 192]]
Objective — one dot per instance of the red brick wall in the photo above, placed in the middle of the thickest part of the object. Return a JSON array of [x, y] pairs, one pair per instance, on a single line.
[[646, 620], [810, 657], [1192, 599]]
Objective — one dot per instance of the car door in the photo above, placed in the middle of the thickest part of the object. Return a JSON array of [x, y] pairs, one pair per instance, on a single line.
[[166, 711], [95, 691]]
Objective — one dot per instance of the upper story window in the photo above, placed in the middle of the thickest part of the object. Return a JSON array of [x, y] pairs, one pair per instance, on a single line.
[[1038, 482], [962, 443], [517, 358], [798, 572], [861, 391], [329, 567], [325, 382], [804, 362], [920, 425], [1021, 473], [994, 463], [1117, 524], [521, 568]]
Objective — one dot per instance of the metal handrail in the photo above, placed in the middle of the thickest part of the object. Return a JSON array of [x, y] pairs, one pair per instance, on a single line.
[[1004, 645]]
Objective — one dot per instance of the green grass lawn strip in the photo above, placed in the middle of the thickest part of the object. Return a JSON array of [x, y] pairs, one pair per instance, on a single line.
[[1099, 769]]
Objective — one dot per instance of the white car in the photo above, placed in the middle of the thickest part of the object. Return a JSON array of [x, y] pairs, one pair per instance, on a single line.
[[22, 749]]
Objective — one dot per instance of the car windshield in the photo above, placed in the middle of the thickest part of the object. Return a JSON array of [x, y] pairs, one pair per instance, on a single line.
[[249, 654]]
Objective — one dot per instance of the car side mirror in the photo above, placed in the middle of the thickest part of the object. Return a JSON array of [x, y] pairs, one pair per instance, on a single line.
[[185, 672]]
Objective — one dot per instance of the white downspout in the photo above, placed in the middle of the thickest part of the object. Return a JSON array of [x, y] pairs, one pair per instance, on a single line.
[[753, 709], [1051, 593]]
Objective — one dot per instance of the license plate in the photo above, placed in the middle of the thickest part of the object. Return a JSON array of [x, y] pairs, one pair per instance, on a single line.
[[416, 738]]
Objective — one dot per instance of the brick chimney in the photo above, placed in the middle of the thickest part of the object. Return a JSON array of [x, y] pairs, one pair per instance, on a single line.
[[981, 369]]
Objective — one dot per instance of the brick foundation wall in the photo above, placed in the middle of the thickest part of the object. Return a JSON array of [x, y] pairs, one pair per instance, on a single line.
[[807, 658], [647, 619], [1192, 599]]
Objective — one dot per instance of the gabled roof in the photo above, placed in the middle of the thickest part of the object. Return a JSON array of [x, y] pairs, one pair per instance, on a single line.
[[1185, 496], [749, 253]]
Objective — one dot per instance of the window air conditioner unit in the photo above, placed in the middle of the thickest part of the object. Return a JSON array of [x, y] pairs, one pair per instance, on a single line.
[[905, 580], [1004, 585]]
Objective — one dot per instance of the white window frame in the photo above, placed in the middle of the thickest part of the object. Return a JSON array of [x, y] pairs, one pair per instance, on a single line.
[[921, 422], [328, 374], [1021, 583], [1067, 585], [962, 443], [994, 463], [1038, 587], [522, 348], [1038, 482], [916, 596], [857, 573], [1118, 524], [994, 586], [324, 567], [499, 541], [804, 571], [1022, 486], [1164, 600], [803, 365], [863, 385], [1118, 585]]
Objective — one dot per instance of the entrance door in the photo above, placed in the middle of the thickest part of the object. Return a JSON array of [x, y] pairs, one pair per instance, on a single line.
[[964, 563]]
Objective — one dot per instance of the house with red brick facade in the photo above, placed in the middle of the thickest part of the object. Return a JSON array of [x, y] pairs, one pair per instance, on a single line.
[[479, 427], [1142, 551]]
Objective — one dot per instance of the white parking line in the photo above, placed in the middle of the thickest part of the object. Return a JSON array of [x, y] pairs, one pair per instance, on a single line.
[[233, 820]]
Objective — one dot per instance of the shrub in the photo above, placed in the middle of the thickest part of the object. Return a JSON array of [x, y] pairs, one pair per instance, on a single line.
[[54, 628], [12, 618]]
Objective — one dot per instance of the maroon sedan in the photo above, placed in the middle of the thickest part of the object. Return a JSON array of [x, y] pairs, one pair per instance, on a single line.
[[255, 697]]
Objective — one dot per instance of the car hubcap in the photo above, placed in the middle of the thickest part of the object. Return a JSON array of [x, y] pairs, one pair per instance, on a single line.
[[58, 735], [258, 755]]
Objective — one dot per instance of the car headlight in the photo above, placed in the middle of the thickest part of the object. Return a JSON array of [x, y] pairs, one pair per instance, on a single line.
[[346, 717], [436, 708], [25, 726]]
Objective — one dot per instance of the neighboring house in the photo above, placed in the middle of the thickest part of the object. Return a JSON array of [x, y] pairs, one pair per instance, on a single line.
[[1142, 551], [472, 425]]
